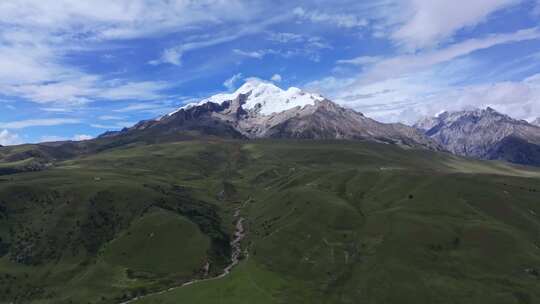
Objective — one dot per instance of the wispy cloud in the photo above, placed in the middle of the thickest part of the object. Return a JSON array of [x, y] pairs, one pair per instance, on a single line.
[[390, 58], [54, 138], [429, 22], [310, 47], [408, 86], [175, 54], [123, 19], [258, 54], [284, 37], [399, 65], [36, 37], [21, 124], [110, 117], [113, 126], [155, 108], [340, 20], [230, 83], [362, 60], [85, 89]]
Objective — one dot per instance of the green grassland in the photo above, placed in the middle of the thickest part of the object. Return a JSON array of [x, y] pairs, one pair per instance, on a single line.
[[327, 222]]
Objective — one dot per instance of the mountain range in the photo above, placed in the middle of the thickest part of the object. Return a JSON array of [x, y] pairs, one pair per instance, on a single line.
[[271, 196], [260, 109], [485, 134]]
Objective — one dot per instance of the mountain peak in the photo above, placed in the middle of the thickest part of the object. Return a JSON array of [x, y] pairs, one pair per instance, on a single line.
[[479, 132], [263, 97], [476, 112], [536, 122], [260, 109], [257, 84], [449, 117]]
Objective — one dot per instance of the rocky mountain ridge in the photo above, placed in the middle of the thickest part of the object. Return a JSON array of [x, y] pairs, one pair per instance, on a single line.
[[260, 109], [485, 134]]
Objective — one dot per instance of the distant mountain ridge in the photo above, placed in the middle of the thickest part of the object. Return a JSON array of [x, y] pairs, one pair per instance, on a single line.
[[259, 109], [485, 134]]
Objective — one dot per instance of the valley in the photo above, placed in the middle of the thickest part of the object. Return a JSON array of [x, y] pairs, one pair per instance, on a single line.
[[325, 222]]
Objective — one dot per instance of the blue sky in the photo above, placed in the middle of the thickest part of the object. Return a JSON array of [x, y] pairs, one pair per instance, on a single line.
[[72, 69]]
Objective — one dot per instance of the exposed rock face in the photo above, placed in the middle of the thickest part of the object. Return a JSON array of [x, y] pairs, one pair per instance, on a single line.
[[262, 110], [485, 134]]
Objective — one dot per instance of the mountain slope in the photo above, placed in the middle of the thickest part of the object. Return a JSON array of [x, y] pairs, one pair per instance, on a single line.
[[485, 134], [326, 222], [256, 110], [261, 110]]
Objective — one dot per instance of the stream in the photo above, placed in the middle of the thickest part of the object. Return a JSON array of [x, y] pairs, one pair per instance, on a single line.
[[236, 252]]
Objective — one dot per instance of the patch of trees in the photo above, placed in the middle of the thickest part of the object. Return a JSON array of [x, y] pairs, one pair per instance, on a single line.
[[4, 247], [206, 217], [102, 223]]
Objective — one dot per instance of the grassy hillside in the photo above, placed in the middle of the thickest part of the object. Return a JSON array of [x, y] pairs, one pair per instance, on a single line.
[[327, 222]]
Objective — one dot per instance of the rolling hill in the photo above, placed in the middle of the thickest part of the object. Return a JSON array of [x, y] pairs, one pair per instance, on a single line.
[[326, 222]]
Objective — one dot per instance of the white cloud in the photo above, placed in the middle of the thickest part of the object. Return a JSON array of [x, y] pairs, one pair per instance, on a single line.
[[276, 78], [36, 36], [171, 56], [362, 60], [55, 138], [120, 90], [52, 138], [114, 126], [340, 20], [518, 99], [87, 88], [259, 54], [230, 83], [175, 54], [110, 117], [430, 22], [7, 138], [285, 37], [400, 65], [147, 107], [406, 87], [408, 98], [121, 19], [309, 48], [21, 124], [81, 137]]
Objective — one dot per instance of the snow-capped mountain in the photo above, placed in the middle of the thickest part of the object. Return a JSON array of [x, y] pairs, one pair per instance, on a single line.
[[485, 134], [259, 109], [263, 97], [536, 122]]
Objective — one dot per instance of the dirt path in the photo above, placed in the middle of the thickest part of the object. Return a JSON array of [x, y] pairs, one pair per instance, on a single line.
[[236, 253]]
